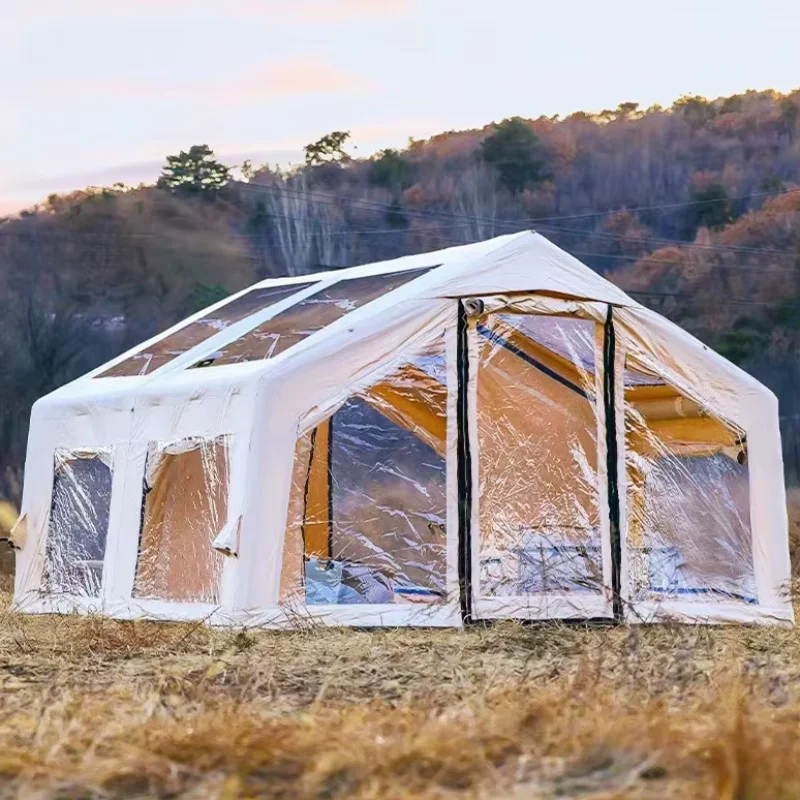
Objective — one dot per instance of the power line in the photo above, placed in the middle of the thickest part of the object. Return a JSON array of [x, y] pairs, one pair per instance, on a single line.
[[686, 296], [665, 206], [676, 242], [771, 268], [118, 241], [467, 220], [327, 197], [121, 236], [472, 219]]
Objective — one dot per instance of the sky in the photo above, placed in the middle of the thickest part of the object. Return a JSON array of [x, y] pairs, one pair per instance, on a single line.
[[94, 92]]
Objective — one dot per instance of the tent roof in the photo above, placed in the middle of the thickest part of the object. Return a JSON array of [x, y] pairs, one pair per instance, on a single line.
[[524, 261], [521, 262], [517, 262]]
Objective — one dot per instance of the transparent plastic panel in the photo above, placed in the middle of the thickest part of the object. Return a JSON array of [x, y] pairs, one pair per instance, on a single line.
[[367, 510], [307, 317], [78, 527], [185, 506], [165, 350], [688, 526], [538, 493]]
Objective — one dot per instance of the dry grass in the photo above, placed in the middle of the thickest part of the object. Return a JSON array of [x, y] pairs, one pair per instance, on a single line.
[[93, 707]]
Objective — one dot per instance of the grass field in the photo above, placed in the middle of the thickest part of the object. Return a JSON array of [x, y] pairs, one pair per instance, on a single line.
[[93, 707]]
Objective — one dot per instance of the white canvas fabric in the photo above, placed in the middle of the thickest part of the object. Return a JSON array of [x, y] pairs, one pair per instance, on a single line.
[[383, 453]]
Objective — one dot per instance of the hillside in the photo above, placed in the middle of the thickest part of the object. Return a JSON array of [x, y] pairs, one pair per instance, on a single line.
[[695, 208]]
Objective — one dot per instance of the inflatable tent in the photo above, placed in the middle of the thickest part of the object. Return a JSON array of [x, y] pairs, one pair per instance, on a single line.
[[487, 431]]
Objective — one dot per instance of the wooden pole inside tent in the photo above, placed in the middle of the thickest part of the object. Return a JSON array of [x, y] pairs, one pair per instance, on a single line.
[[317, 521]]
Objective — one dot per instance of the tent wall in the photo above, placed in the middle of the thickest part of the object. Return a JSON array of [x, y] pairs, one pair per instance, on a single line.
[[730, 395], [155, 421]]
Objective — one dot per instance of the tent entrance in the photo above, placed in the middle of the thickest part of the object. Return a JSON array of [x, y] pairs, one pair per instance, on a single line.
[[538, 543]]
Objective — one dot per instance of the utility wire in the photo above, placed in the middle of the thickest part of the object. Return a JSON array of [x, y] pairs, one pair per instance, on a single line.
[[472, 219], [467, 220], [331, 198], [686, 296], [121, 236], [678, 243], [665, 206], [119, 241]]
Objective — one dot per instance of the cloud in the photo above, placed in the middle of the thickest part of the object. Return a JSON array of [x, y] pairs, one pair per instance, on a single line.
[[417, 127], [341, 10], [304, 77], [367, 138], [293, 77], [305, 11], [131, 174], [12, 32], [9, 206], [281, 79], [10, 121], [28, 190]]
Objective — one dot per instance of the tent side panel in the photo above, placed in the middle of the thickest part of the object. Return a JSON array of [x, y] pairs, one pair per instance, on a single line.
[[689, 422]]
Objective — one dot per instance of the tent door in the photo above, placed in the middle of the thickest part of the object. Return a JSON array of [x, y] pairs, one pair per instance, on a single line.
[[535, 525]]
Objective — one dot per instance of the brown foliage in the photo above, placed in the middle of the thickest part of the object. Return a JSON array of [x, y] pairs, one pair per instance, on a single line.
[[111, 267]]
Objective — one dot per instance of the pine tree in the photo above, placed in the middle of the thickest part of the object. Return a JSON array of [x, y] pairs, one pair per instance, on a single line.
[[194, 172]]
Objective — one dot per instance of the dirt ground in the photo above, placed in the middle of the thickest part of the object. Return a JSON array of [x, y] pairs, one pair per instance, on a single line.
[[92, 707]]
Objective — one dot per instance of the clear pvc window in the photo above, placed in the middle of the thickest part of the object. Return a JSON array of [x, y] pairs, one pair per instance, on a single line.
[[165, 350], [367, 510], [539, 518], [688, 519], [307, 317], [185, 506], [78, 526]]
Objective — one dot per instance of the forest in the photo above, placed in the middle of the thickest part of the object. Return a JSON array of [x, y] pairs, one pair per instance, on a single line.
[[694, 209]]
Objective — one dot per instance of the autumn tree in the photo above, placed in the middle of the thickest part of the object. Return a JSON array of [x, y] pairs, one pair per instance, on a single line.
[[710, 208], [748, 337], [628, 110], [515, 151], [248, 170], [328, 150], [390, 169], [698, 110], [194, 172]]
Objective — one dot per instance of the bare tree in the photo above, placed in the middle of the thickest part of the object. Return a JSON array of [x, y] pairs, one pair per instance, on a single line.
[[333, 237], [476, 200], [291, 209], [42, 345]]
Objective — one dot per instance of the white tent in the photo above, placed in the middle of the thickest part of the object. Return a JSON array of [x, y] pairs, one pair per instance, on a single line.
[[488, 431]]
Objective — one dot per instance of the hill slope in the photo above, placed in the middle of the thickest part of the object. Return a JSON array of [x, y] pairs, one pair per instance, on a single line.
[[695, 208]]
